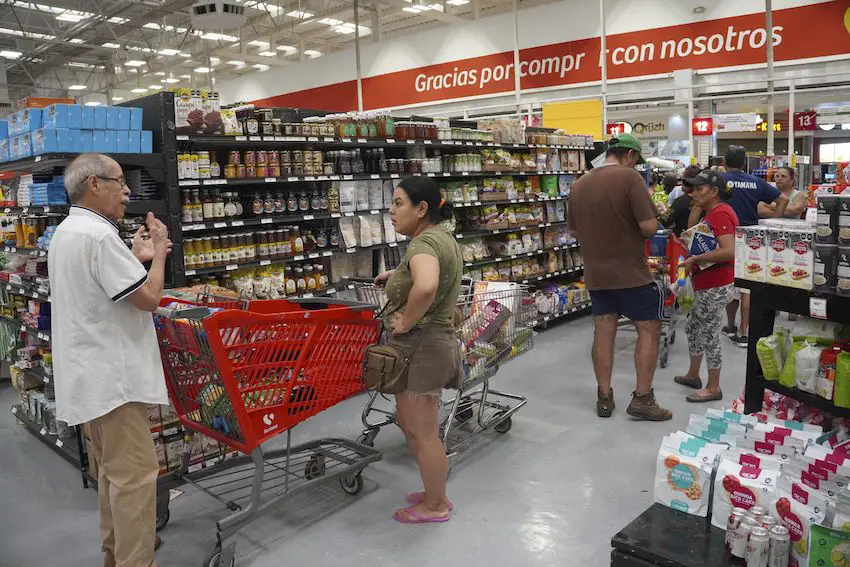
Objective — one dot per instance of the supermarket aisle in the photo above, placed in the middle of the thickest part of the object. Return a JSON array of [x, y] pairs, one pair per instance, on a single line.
[[552, 491]]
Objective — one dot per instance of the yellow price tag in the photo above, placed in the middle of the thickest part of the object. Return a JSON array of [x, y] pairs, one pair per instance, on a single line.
[[693, 161]]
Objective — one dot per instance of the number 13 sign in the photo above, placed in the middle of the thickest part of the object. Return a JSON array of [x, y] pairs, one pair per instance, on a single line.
[[805, 120]]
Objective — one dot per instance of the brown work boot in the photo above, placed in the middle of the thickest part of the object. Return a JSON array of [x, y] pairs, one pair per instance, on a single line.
[[605, 404], [644, 406]]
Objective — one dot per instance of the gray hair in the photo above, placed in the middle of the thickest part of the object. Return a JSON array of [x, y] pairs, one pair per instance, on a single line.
[[78, 172]]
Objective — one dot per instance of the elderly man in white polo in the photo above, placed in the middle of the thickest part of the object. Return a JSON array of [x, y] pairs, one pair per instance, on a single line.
[[106, 360]]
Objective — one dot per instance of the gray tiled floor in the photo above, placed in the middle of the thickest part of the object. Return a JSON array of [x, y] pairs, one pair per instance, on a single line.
[[552, 491]]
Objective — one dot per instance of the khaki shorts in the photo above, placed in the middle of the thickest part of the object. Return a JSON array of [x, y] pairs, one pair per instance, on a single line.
[[435, 359]]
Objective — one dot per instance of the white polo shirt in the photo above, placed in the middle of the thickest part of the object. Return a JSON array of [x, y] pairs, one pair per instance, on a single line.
[[105, 352]]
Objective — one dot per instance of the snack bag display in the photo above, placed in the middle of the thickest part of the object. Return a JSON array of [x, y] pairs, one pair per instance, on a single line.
[[683, 475], [807, 364], [789, 369], [740, 486], [842, 380], [798, 508], [830, 547]]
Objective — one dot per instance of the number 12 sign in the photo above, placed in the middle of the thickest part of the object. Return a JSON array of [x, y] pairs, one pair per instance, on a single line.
[[702, 126], [805, 120]]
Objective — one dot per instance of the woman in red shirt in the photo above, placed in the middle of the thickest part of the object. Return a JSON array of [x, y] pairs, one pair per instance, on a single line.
[[713, 285]]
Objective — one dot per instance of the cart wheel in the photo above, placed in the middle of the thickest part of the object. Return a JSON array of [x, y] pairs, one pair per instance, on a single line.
[[214, 559], [315, 467], [352, 484], [504, 426], [162, 521], [663, 361], [672, 337], [368, 439]]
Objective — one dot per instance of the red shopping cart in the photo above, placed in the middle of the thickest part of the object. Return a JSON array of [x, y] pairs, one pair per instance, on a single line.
[[244, 372], [663, 254]]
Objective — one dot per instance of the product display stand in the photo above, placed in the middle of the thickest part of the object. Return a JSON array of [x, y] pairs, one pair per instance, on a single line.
[[665, 537], [765, 301]]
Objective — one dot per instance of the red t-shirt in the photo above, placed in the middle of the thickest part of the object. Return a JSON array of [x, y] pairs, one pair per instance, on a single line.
[[722, 220]]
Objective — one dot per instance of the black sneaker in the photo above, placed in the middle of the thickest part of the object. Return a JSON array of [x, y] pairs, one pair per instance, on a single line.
[[605, 404], [740, 342], [729, 330]]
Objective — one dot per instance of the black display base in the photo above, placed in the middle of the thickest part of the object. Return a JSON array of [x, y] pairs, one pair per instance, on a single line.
[[663, 537]]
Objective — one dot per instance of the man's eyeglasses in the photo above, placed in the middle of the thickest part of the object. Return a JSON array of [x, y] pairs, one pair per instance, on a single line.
[[120, 180]]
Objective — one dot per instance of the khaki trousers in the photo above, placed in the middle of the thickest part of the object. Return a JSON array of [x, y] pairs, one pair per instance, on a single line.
[[127, 469]]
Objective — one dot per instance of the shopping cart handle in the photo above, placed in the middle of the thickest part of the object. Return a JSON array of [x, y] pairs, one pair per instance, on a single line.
[[187, 313], [315, 303], [358, 279]]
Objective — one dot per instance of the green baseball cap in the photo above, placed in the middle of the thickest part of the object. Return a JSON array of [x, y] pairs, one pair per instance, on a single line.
[[627, 141]]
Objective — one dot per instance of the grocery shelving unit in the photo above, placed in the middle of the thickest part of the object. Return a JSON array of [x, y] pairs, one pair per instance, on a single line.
[[765, 301]]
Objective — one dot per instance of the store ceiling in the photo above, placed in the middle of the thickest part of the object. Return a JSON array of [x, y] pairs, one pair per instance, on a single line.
[[107, 49]]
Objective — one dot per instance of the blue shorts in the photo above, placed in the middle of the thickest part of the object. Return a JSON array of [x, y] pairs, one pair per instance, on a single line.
[[644, 303]]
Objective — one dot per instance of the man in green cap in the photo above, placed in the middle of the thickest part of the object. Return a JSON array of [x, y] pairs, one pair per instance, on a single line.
[[611, 214]]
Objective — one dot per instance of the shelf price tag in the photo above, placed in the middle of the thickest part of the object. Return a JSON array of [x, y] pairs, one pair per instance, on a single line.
[[309, 178], [328, 253], [37, 159], [312, 138], [231, 267], [255, 138], [361, 140], [817, 307], [346, 140], [411, 142], [265, 221], [219, 224], [298, 258], [374, 212], [393, 244], [350, 250], [292, 179], [182, 137], [390, 141], [265, 262], [190, 272], [271, 179], [307, 295], [335, 215], [428, 142], [237, 223], [374, 176], [313, 255], [309, 217], [241, 138], [394, 176]]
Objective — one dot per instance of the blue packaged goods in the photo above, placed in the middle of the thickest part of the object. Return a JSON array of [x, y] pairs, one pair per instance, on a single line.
[[111, 141], [4, 129], [135, 118], [86, 142], [134, 141], [12, 125], [25, 145], [100, 118], [87, 118], [62, 116], [123, 118], [122, 145], [44, 141], [147, 142], [99, 141], [29, 120], [112, 118], [4, 149]]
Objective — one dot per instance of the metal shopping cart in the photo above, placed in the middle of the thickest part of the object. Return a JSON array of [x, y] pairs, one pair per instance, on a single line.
[[664, 251], [496, 327], [243, 372]]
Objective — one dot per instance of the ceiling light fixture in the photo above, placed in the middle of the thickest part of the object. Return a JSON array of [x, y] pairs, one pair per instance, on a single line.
[[267, 53], [77, 40], [139, 90], [160, 73], [152, 26], [260, 67], [203, 70], [331, 21], [185, 76], [168, 51], [134, 63], [155, 87], [117, 98], [213, 36], [70, 17], [312, 53], [286, 48], [259, 43], [77, 88], [171, 80], [93, 103], [237, 63], [699, 10], [300, 14], [10, 54], [457, 2], [111, 45]]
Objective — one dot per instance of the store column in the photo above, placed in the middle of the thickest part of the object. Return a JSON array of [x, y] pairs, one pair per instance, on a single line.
[[705, 145]]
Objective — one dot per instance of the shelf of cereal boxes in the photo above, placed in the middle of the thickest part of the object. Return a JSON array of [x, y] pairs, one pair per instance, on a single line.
[[576, 309], [530, 254], [65, 449]]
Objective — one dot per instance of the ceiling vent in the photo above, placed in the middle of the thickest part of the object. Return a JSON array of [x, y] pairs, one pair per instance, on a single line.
[[218, 15]]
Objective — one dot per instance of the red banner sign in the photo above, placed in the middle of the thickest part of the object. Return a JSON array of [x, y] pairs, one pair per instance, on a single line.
[[806, 120], [616, 128], [726, 42], [702, 126]]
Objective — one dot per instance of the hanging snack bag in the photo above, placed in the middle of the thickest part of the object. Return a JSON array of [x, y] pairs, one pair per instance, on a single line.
[[683, 475], [740, 486], [770, 356], [798, 507], [789, 369], [807, 363]]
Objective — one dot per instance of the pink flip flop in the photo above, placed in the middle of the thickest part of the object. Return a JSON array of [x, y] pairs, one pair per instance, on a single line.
[[408, 516], [415, 498]]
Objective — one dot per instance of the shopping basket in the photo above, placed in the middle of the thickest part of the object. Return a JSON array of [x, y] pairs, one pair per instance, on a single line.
[[494, 325], [243, 372]]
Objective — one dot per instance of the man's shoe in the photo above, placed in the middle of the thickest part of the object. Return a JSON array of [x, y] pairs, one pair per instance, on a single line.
[[644, 406], [730, 331], [740, 342], [605, 404]]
